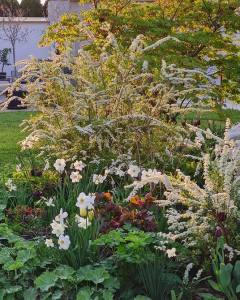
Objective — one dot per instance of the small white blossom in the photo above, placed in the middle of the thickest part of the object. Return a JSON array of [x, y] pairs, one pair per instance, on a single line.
[[49, 202], [171, 252], [85, 201], [75, 177], [64, 242], [57, 228], [82, 222], [10, 185], [97, 179], [186, 273], [62, 215], [133, 171], [79, 165], [60, 165], [49, 243]]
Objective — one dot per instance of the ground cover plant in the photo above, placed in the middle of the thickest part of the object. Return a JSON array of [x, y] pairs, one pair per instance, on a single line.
[[127, 181]]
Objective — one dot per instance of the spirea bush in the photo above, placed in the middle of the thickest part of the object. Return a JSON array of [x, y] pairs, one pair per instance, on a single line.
[[110, 104]]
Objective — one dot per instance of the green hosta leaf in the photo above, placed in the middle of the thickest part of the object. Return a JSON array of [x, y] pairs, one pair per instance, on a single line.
[[12, 266], [140, 297], [30, 293], [111, 283], [5, 256], [215, 286], [207, 296], [46, 280], [25, 255], [107, 295], [96, 275], [84, 294], [236, 271], [13, 289], [238, 289], [2, 293], [64, 272], [225, 274], [7, 234]]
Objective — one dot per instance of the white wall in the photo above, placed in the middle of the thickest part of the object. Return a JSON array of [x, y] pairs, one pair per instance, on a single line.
[[30, 46], [56, 8]]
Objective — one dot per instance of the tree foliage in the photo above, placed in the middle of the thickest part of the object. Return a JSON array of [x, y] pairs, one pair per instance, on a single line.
[[32, 8], [8, 6], [207, 29]]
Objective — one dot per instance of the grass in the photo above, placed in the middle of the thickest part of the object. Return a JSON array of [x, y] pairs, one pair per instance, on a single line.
[[10, 135], [218, 116]]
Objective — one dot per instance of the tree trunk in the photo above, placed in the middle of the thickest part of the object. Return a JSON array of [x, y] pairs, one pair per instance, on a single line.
[[14, 60]]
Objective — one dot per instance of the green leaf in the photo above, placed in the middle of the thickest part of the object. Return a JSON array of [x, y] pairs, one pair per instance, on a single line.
[[64, 272], [111, 283], [236, 271], [107, 295], [84, 294], [238, 289], [207, 296], [12, 266], [46, 280], [30, 293], [215, 286], [25, 255], [225, 274], [2, 293], [57, 295], [140, 297], [95, 274], [13, 289]]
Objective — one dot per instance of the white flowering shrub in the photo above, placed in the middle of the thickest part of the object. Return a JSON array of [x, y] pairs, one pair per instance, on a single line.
[[198, 213], [110, 103]]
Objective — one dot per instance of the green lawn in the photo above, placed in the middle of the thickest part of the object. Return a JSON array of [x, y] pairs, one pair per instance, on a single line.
[[10, 135], [218, 116]]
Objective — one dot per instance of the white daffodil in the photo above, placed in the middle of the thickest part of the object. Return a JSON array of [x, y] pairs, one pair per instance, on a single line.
[[49, 243], [97, 179], [82, 222], [84, 201], [62, 215], [10, 185], [75, 177], [133, 171], [49, 202], [57, 228], [79, 165], [171, 252], [64, 242], [60, 165]]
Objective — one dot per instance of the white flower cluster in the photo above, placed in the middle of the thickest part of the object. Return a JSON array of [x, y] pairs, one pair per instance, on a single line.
[[10, 185], [58, 228], [163, 243], [85, 203], [148, 177], [29, 142], [78, 166], [218, 195]]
